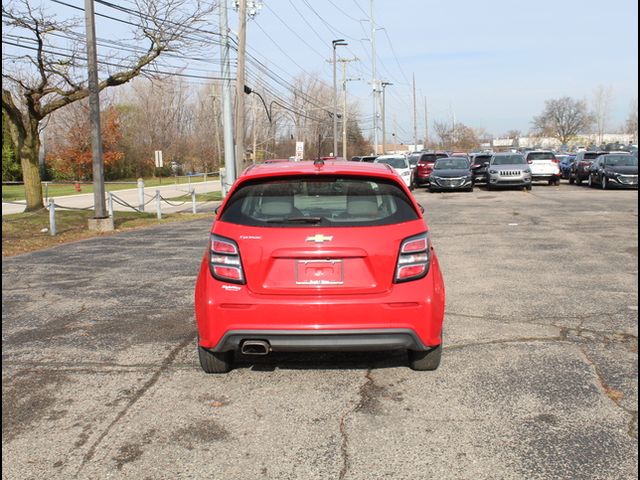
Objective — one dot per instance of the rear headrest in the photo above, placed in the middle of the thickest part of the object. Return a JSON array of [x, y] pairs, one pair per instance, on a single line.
[[277, 200], [361, 200]]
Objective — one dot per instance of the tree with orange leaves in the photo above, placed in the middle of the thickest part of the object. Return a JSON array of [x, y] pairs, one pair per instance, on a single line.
[[69, 153]]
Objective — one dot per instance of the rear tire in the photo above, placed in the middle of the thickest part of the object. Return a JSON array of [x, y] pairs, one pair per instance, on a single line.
[[425, 361], [578, 181], [215, 362]]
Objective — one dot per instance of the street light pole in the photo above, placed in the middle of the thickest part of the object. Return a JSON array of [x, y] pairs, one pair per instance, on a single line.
[[384, 117], [338, 42]]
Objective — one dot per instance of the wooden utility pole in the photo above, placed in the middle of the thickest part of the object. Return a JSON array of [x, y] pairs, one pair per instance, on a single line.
[[100, 206], [344, 62], [240, 82]]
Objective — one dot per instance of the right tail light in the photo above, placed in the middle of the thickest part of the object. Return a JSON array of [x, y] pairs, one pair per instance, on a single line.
[[414, 258]]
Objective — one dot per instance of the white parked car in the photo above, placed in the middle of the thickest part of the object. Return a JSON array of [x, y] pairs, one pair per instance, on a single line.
[[544, 166], [401, 165]]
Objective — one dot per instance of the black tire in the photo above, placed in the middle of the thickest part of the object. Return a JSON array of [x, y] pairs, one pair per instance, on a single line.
[[571, 180], [578, 180], [425, 361], [215, 362], [527, 187]]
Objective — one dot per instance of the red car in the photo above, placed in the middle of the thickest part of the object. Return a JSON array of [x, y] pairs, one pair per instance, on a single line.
[[425, 167], [319, 256]]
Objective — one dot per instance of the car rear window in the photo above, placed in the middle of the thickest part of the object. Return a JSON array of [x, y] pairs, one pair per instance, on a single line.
[[395, 162], [368, 159], [311, 201], [621, 161], [481, 159], [430, 158], [541, 156]]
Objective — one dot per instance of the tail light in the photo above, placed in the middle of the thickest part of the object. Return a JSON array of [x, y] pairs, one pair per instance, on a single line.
[[555, 160], [224, 260], [530, 162], [414, 258]]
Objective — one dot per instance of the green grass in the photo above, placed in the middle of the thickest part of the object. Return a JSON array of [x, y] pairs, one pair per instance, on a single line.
[[23, 232], [16, 192]]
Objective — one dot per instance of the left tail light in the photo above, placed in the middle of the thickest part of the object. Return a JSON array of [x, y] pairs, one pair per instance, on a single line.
[[414, 258], [224, 260]]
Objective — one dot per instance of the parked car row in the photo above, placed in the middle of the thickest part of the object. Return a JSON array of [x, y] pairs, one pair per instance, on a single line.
[[440, 170]]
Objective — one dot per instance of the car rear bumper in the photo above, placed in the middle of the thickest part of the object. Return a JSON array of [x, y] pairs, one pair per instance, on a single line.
[[545, 176], [324, 341], [228, 314]]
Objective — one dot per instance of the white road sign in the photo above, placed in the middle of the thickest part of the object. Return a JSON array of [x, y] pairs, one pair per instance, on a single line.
[[159, 162]]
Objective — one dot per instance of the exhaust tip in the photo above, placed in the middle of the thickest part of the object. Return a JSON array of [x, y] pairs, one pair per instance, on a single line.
[[255, 347]]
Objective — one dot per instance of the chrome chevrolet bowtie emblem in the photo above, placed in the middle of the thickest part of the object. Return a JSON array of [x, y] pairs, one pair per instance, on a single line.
[[319, 238]]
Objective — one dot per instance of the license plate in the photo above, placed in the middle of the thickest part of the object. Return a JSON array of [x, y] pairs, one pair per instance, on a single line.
[[319, 272]]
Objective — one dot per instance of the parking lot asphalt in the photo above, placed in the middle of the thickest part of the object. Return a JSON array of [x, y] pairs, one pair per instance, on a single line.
[[538, 378]]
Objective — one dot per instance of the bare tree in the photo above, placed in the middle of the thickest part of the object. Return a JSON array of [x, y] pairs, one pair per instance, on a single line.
[[48, 78], [444, 131], [563, 119], [602, 109]]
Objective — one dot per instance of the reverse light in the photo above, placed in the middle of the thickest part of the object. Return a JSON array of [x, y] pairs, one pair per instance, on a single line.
[[224, 260], [414, 258]]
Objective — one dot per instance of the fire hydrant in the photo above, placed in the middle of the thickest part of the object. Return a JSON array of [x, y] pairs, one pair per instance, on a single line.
[[77, 187]]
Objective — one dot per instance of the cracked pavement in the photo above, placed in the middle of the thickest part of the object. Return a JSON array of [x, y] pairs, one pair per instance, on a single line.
[[538, 378]]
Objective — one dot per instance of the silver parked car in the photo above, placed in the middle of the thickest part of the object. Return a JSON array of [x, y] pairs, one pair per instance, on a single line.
[[508, 170]]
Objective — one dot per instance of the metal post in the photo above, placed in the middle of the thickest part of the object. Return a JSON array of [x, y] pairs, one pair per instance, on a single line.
[[227, 105], [374, 82], [52, 217], [384, 119], [335, 103], [158, 205], [46, 190], [193, 201], [415, 115], [141, 195], [110, 203], [344, 110], [94, 105], [335, 43]]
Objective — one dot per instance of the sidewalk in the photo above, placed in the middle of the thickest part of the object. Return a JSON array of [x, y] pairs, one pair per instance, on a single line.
[[129, 196]]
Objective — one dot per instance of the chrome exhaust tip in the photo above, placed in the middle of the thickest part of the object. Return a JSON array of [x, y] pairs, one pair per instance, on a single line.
[[255, 347]]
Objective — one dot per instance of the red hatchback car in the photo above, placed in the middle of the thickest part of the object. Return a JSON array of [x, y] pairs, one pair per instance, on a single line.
[[315, 256]]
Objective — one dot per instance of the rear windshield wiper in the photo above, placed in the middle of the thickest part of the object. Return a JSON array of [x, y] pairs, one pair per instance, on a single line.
[[311, 220]]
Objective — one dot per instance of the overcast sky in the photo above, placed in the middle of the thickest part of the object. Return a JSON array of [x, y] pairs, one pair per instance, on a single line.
[[491, 64]]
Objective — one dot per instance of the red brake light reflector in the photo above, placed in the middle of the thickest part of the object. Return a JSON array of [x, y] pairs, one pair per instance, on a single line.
[[411, 271], [220, 246], [418, 245]]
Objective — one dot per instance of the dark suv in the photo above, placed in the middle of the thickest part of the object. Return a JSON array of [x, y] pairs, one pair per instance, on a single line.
[[580, 168], [424, 167], [479, 163]]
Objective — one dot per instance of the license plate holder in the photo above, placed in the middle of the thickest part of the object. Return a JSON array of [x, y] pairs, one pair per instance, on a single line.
[[319, 272]]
